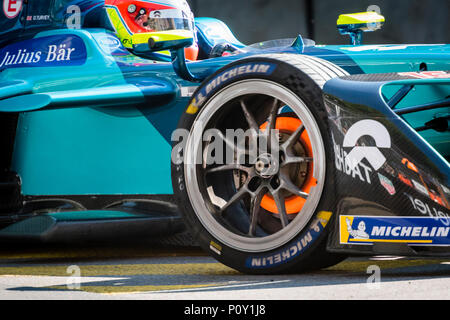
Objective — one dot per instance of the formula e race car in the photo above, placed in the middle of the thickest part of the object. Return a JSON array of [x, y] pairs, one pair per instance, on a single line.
[[282, 156]]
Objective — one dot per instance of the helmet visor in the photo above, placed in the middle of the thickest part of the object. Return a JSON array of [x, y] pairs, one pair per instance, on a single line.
[[165, 20]]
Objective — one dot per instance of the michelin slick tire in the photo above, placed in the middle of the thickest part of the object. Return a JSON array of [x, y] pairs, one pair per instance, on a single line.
[[256, 223]]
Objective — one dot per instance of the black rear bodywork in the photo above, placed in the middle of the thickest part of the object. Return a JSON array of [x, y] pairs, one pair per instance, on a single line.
[[412, 182]]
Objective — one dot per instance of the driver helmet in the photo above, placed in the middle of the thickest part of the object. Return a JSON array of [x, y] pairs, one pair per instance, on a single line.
[[130, 17]]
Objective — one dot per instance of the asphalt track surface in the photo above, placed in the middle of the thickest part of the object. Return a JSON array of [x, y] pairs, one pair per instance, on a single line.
[[145, 271]]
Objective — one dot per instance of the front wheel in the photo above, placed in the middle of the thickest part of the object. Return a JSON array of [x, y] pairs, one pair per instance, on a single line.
[[256, 166]]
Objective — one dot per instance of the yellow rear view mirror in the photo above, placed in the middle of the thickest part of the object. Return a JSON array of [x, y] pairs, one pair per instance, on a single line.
[[162, 40], [354, 24]]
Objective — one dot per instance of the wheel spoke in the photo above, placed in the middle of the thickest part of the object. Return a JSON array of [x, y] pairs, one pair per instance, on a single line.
[[290, 160], [226, 167], [248, 116], [281, 206], [231, 144], [271, 125], [255, 210], [236, 197], [286, 184], [293, 138], [272, 119]]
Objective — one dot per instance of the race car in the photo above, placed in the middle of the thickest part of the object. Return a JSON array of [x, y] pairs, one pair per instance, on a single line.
[[278, 157]]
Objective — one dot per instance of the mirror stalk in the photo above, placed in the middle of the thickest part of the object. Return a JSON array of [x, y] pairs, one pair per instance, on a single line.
[[178, 56], [181, 68]]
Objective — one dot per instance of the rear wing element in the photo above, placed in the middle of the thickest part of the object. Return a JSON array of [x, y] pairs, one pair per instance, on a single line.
[[415, 105], [388, 92]]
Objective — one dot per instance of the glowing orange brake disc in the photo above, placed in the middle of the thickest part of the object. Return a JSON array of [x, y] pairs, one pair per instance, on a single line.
[[294, 204]]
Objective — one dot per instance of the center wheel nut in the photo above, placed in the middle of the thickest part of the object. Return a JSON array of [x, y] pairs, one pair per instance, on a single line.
[[266, 166]]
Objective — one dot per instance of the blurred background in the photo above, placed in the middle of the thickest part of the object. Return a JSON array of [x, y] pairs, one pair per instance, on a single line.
[[407, 21]]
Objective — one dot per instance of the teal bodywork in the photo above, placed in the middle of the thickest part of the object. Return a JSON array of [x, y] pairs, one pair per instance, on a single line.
[[108, 128], [396, 58]]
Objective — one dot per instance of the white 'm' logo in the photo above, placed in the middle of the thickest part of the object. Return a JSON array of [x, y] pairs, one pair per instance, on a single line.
[[373, 129]]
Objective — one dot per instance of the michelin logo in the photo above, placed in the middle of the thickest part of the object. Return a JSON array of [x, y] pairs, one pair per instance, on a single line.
[[360, 233], [227, 76], [295, 249], [410, 230], [398, 231], [232, 73]]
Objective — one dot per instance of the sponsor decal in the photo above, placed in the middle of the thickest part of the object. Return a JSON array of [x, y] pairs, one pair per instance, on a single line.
[[427, 75], [350, 162], [432, 211], [227, 76], [420, 187], [11, 8], [109, 42], [370, 128], [111, 45], [384, 47], [187, 91], [411, 230], [387, 184], [295, 248], [215, 247], [51, 51], [405, 180], [360, 171], [359, 232], [375, 48], [446, 190]]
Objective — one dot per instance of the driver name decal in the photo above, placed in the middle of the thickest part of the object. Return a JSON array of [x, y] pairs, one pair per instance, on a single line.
[[51, 51]]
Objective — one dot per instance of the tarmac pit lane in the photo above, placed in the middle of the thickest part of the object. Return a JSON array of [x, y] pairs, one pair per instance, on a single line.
[[143, 271]]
